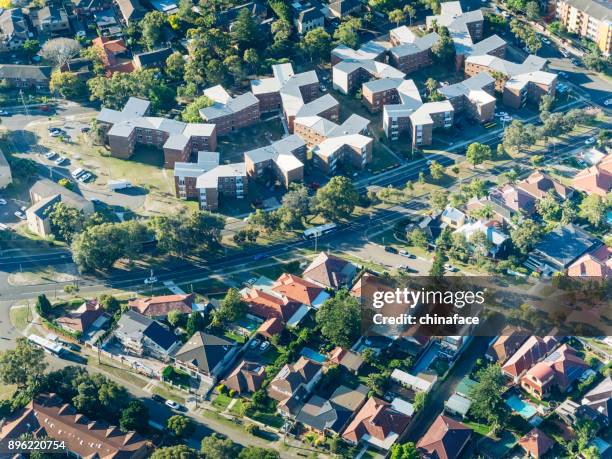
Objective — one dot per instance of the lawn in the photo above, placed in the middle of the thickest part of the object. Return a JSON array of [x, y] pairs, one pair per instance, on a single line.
[[273, 420], [115, 369], [19, 317], [232, 147], [482, 429], [166, 391], [7, 391], [221, 401], [240, 339], [382, 159], [236, 409]]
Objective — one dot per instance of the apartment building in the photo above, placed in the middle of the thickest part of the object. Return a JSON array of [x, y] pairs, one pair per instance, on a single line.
[[376, 94], [229, 180], [414, 116], [474, 97], [372, 50], [349, 75], [131, 126], [283, 158], [466, 30], [186, 174], [519, 83], [410, 52], [591, 19], [230, 113]]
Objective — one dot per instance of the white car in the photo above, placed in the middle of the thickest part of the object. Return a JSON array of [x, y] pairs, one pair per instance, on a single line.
[[2, 202], [20, 215], [429, 162], [265, 345], [607, 102], [50, 155], [55, 133], [450, 268], [150, 280], [3, 113], [61, 160], [254, 343], [4, 227], [545, 40], [83, 178], [172, 404], [589, 141]]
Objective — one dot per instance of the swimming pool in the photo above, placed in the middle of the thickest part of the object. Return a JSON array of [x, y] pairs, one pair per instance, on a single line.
[[524, 409], [313, 355]]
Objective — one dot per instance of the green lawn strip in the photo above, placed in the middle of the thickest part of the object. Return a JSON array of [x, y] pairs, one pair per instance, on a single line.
[[7, 391], [236, 409], [167, 392], [115, 369], [482, 429], [221, 402], [270, 419], [19, 317]]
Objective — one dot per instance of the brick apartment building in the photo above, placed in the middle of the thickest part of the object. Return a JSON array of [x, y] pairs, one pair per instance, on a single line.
[[591, 19], [474, 97], [409, 52], [229, 180], [186, 174], [230, 113], [349, 75], [284, 159]]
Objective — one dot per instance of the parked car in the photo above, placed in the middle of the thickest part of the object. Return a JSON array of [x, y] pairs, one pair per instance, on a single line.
[[4, 227], [607, 102], [2, 202], [150, 280], [3, 113], [545, 40], [61, 160], [20, 215], [50, 154], [406, 254], [254, 343], [589, 141], [158, 398], [390, 249], [450, 268], [86, 176], [265, 345], [55, 133], [172, 404]]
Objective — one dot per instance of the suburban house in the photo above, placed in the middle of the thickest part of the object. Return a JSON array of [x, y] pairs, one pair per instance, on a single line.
[[131, 10], [446, 438], [597, 263], [600, 398], [343, 8], [246, 377], [206, 356], [115, 55], [531, 352], [141, 335], [48, 416], [6, 178], [501, 213], [572, 413], [14, 29], [268, 305], [230, 113], [26, 76], [330, 271], [377, 423], [308, 19], [500, 241], [506, 344], [346, 358], [158, 307], [152, 59], [44, 194], [536, 443], [300, 290], [132, 126], [330, 416], [52, 19], [560, 369], [596, 179], [560, 248], [82, 317], [453, 217], [293, 383]]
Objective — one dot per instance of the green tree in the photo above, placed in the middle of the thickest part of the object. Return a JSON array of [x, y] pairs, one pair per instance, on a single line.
[[339, 319], [67, 84], [43, 305], [548, 208], [477, 153], [532, 10], [175, 452], [377, 383], [347, 32], [438, 199], [109, 303], [336, 199], [436, 170], [525, 235], [255, 452], [152, 28], [437, 267], [180, 425], [444, 49], [195, 323], [183, 234], [316, 44], [175, 66], [420, 399], [162, 97], [397, 16], [65, 221], [487, 401], [232, 306], [114, 92], [24, 365], [175, 317], [135, 416], [244, 29], [410, 12], [431, 85], [215, 447], [593, 209], [404, 451], [30, 48], [518, 135], [546, 102], [191, 113], [417, 238]]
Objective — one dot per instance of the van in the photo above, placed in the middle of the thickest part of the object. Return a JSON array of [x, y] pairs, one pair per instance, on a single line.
[[77, 172]]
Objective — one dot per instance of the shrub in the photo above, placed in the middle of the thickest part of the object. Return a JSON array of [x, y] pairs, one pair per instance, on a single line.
[[221, 388], [232, 393]]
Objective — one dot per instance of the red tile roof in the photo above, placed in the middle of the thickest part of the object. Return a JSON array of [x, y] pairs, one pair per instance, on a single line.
[[445, 439], [377, 419], [267, 305], [297, 289], [83, 317], [158, 306], [595, 264], [536, 443], [596, 179]]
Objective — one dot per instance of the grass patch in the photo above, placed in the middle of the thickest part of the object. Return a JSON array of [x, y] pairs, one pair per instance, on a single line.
[[114, 369], [382, 159], [166, 391], [221, 401], [236, 409], [19, 317], [270, 419], [482, 429], [7, 391]]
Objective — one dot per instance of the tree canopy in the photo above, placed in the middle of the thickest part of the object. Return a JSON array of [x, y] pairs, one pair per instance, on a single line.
[[339, 319]]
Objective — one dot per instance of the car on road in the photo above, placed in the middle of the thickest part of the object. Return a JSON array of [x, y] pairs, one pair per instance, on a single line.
[[56, 133], [589, 141], [20, 215], [545, 40], [265, 345], [158, 398], [150, 280], [406, 254], [564, 53], [260, 256], [3, 113], [61, 160], [450, 268], [254, 343], [86, 176], [391, 249], [172, 404], [4, 227], [607, 102], [50, 154], [2, 202]]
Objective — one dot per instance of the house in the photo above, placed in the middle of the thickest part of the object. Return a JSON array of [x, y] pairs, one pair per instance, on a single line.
[[132, 126], [308, 19], [6, 178], [14, 29], [330, 271], [560, 369], [158, 307], [499, 241], [26, 76], [52, 19], [300, 290], [107, 23], [347, 358], [150, 59], [600, 398], [131, 10], [531, 352], [115, 55], [343, 8], [47, 416], [536, 443], [445, 439], [454, 218], [572, 413], [266, 304], [284, 158], [44, 194], [506, 344], [81, 318], [500, 212], [422, 382], [206, 356], [539, 184], [457, 405], [141, 335], [596, 179], [293, 383], [330, 416], [560, 248], [377, 424], [246, 377], [229, 113], [597, 263], [86, 8]]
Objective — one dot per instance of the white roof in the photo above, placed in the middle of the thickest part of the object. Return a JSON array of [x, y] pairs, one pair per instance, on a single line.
[[210, 179], [403, 34], [422, 115], [417, 383], [494, 236]]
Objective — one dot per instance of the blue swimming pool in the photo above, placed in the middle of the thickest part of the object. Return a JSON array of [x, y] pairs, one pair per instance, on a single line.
[[313, 355], [524, 409]]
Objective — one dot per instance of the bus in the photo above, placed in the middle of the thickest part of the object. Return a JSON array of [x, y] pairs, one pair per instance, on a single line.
[[48, 345], [318, 231]]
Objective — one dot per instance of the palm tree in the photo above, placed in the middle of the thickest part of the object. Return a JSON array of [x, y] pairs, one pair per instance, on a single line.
[[410, 12]]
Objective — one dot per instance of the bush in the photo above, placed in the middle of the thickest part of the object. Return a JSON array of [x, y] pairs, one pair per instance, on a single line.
[[221, 389], [252, 429], [232, 393]]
